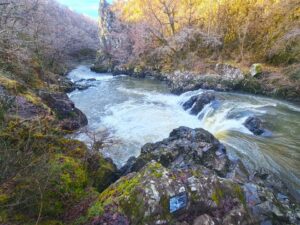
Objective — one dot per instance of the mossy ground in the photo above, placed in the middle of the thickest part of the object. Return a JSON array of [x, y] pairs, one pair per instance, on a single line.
[[49, 175]]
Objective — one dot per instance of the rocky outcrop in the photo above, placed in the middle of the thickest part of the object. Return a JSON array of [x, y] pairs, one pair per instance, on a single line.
[[221, 77], [158, 195], [188, 178], [229, 72], [184, 148], [71, 118], [19, 106], [197, 103]]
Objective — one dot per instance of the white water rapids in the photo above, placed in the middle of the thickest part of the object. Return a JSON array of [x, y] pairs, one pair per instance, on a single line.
[[137, 111]]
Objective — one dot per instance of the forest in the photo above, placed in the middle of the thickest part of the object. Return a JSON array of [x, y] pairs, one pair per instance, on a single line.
[[186, 31]]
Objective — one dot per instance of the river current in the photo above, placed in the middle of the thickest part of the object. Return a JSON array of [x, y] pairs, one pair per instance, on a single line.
[[128, 112]]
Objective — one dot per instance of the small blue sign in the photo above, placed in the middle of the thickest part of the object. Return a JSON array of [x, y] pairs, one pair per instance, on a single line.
[[178, 202]]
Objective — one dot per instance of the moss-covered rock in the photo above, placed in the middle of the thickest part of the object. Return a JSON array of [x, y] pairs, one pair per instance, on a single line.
[[146, 197], [102, 172], [256, 69]]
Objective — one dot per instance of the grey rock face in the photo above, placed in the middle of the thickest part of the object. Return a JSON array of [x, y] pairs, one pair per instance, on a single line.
[[71, 117]]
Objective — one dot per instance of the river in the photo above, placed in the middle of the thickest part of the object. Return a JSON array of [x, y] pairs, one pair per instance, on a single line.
[[130, 112]]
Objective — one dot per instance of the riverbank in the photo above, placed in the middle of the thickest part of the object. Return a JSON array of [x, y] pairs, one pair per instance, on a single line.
[[282, 83], [79, 186]]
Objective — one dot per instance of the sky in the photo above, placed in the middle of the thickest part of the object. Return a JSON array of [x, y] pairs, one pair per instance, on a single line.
[[86, 7]]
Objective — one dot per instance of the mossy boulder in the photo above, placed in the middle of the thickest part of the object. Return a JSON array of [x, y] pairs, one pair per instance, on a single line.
[[102, 172], [256, 69], [147, 197]]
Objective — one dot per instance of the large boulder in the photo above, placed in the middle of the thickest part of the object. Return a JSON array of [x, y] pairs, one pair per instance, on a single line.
[[197, 103], [71, 117], [157, 195], [199, 152], [184, 148]]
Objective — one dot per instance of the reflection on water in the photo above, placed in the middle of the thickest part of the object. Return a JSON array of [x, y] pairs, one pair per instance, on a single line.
[[137, 111]]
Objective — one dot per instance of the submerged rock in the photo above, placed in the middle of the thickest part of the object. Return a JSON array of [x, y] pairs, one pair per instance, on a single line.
[[255, 125], [71, 117], [197, 103], [84, 84]]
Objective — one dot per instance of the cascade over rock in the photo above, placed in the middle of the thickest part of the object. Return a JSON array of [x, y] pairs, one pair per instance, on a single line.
[[197, 103]]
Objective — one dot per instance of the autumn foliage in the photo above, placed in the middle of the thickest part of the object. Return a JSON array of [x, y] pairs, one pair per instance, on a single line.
[[171, 31]]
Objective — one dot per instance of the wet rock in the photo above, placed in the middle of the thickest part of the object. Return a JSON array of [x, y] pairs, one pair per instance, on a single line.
[[185, 148], [122, 70], [128, 167], [254, 124], [238, 172], [82, 87], [66, 85], [71, 117], [197, 103]]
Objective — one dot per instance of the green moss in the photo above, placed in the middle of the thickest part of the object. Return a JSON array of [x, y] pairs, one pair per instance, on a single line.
[[155, 169], [32, 98], [239, 193], [3, 198], [3, 216], [72, 175], [96, 210], [217, 195], [68, 183]]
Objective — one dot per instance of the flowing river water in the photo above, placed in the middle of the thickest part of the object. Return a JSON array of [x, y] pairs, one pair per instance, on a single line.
[[131, 112]]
